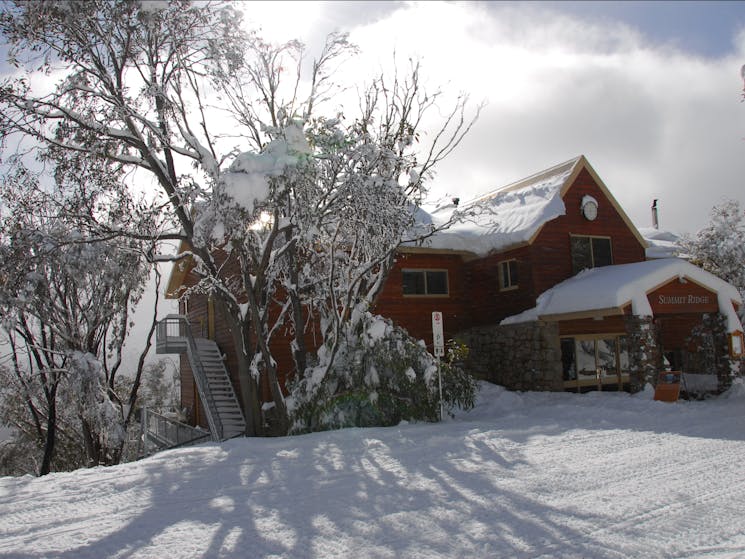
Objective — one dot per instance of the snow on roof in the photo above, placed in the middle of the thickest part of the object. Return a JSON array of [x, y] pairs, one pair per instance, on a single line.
[[507, 216], [614, 287], [662, 243]]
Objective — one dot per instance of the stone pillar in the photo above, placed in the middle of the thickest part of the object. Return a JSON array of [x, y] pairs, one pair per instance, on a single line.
[[711, 339], [645, 356]]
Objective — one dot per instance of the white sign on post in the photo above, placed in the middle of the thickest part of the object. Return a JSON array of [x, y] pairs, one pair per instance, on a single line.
[[439, 343], [437, 336]]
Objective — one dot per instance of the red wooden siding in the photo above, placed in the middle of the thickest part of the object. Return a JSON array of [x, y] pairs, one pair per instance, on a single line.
[[547, 261], [487, 303], [414, 312], [551, 253], [591, 326], [676, 330]]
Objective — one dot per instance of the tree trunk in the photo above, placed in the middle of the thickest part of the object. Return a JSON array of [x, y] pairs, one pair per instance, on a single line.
[[50, 439], [259, 329], [299, 350], [92, 448]]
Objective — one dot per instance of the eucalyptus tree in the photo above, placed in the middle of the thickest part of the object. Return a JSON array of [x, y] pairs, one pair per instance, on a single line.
[[253, 161], [719, 247], [66, 299]]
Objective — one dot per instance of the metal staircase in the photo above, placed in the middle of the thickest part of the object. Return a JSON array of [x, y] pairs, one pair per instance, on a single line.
[[221, 406]]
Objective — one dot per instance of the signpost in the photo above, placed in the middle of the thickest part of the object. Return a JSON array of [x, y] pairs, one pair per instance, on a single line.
[[437, 335], [438, 339]]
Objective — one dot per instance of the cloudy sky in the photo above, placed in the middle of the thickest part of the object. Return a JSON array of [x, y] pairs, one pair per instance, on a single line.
[[650, 92]]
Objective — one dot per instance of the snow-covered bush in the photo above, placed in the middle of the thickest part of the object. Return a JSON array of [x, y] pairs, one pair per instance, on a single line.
[[379, 377]]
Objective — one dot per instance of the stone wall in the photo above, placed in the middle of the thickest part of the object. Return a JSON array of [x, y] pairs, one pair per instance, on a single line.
[[523, 356], [527, 356]]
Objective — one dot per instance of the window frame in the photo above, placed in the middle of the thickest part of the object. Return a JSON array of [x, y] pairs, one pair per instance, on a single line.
[[573, 236], [507, 265], [424, 272]]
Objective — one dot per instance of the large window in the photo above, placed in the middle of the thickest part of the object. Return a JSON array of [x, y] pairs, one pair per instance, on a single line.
[[585, 357], [508, 278], [590, 252], [425, 282]]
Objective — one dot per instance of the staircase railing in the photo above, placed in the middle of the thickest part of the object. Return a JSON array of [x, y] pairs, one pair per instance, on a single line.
[[177, 338], [160, 432]]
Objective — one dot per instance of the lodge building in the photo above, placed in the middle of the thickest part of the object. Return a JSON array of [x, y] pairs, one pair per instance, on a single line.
[[550, 286]]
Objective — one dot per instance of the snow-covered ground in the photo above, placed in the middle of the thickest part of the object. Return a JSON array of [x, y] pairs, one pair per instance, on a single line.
[[522, 475]]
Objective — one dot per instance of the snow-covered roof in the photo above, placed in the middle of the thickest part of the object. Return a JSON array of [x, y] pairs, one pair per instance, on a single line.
[[662, 243], [511, 215], [611, 288]]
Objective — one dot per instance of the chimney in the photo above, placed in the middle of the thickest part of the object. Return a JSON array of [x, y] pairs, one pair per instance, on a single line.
[[655, 217]]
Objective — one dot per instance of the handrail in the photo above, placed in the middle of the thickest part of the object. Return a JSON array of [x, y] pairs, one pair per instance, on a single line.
[[165, 327], [168, 433], [201, 377]]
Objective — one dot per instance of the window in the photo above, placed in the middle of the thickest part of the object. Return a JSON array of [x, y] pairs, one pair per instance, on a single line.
[[425, 282], [508, 278], [585, 357], [590, 252]]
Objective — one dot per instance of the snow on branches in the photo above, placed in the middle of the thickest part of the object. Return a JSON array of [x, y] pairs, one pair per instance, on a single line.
[[720, 246], [289, 207]]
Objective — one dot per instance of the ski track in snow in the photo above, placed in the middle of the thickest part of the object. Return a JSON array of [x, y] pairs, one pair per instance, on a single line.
[[523, 475]]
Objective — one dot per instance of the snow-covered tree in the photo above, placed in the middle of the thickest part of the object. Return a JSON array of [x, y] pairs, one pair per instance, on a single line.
[[380, 377], [65, 305], [720, 246], [160, 386], [287, 207]]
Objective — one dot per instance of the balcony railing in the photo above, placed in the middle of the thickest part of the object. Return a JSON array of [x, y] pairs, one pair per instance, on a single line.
[[172, 334]]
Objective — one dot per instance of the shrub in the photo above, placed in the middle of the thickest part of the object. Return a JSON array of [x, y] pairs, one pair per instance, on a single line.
[[378, 376]]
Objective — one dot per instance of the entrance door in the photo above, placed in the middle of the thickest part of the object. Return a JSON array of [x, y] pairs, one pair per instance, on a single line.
[[593, 362]]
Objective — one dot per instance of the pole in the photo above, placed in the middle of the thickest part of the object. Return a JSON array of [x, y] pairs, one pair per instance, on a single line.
[[439, 381], [438, 340]]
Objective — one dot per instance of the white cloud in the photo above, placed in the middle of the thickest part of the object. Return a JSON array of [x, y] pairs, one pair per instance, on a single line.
[[654, 121]]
